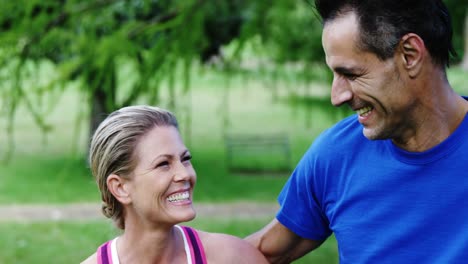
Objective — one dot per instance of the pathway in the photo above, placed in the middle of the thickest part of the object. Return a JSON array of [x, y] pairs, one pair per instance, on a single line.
[[91, 211]]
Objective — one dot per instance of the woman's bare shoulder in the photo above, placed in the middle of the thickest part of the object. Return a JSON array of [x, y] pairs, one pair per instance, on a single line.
[[90, 260], [224, 248]]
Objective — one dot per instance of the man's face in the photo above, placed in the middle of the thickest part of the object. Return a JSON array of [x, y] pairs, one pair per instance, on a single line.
[[375, 89]]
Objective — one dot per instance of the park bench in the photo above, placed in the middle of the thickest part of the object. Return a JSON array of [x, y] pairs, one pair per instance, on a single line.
[[267, 153]]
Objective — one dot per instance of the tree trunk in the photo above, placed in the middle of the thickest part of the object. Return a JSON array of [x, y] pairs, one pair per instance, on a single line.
[[98, 110], [97, 113], [102, 98]]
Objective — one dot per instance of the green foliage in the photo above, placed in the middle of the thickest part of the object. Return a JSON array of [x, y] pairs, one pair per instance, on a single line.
[[294, 33], [458, 11], [84, 41], [121, 52]]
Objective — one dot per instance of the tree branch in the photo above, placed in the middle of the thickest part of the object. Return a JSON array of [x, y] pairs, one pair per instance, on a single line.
[[160, 19], [61, 19]]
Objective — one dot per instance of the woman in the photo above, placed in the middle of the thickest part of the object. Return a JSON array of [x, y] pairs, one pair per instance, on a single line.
[[146, 180]]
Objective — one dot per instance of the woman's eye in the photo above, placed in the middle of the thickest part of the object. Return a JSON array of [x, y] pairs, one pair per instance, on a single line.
[[186, 158]]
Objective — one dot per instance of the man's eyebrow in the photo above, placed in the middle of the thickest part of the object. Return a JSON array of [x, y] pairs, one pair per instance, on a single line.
[[346, 70]]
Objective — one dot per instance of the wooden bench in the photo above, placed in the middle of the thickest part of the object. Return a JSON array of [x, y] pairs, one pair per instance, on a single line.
[[258, 153]]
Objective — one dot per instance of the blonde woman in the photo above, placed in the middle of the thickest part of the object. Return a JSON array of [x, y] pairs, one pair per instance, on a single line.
[[146, 179]]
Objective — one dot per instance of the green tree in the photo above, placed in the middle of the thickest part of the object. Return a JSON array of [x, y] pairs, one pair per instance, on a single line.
[[92, 43], [458, 11], [465, 57], [46, 45], [118, 52], [96, 44]]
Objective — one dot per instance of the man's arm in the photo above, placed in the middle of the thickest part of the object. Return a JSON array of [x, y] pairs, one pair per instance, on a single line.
[[279, 244]]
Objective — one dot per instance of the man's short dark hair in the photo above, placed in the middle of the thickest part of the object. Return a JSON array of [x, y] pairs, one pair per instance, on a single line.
[[382, 23]]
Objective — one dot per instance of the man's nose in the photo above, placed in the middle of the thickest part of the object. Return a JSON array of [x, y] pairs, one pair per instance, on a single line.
[[340, 91]]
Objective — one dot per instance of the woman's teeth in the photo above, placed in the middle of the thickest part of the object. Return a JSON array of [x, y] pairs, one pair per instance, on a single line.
[[177, 197]]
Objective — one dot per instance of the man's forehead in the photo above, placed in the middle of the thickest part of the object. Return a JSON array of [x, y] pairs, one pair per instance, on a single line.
[[340, 38], [345, 23]]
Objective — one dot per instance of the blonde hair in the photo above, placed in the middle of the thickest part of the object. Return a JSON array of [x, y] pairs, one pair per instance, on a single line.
[[113, 145]]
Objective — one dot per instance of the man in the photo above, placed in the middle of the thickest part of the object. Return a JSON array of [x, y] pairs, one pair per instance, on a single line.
[[390, 182]]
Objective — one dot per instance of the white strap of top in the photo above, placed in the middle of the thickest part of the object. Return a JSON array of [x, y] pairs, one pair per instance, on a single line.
[[186, 245], [115, 257]]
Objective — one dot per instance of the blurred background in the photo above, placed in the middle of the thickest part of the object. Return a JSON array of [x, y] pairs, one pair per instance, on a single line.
[[246, 80]]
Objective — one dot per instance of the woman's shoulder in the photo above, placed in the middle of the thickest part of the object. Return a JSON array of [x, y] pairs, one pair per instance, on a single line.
[[224, 248], [90, 260]]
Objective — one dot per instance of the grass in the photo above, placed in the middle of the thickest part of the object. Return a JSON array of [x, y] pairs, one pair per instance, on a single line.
[[47, 179], [51, 242], [71, 242]]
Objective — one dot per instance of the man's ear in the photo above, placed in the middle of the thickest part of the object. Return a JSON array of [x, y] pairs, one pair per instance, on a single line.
[[118, 186], [412, 53]]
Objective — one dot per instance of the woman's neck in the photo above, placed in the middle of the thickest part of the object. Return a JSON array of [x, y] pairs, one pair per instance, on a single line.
[[143, 245]]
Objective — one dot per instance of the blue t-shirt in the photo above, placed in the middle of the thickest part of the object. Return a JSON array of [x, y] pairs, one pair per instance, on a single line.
[[384, 204]]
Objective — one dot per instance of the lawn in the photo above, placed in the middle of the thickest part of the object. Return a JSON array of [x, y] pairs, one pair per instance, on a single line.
[[71, 242]]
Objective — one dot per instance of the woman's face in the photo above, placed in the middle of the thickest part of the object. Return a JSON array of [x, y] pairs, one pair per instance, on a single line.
[[161, 188]]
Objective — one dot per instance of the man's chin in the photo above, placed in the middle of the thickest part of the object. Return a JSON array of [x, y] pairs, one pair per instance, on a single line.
[[372, 134]]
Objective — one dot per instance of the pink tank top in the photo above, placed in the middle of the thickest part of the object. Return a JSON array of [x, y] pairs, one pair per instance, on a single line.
[[107, 252]]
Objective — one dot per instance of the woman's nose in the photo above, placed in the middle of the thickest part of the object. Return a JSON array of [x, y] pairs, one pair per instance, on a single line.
[[183, 172]]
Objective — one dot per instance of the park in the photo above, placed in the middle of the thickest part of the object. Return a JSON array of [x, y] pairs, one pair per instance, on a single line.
[[65, 66]]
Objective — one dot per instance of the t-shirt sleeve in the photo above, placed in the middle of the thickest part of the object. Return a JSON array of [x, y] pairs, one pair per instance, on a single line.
[[300, 205]]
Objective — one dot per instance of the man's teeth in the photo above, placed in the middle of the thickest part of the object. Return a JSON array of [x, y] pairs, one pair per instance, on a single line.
[[177, 197], [364, 111]]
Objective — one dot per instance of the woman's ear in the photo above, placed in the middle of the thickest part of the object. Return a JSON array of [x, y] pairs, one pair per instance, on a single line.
[[412, 53], [118, 186]]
